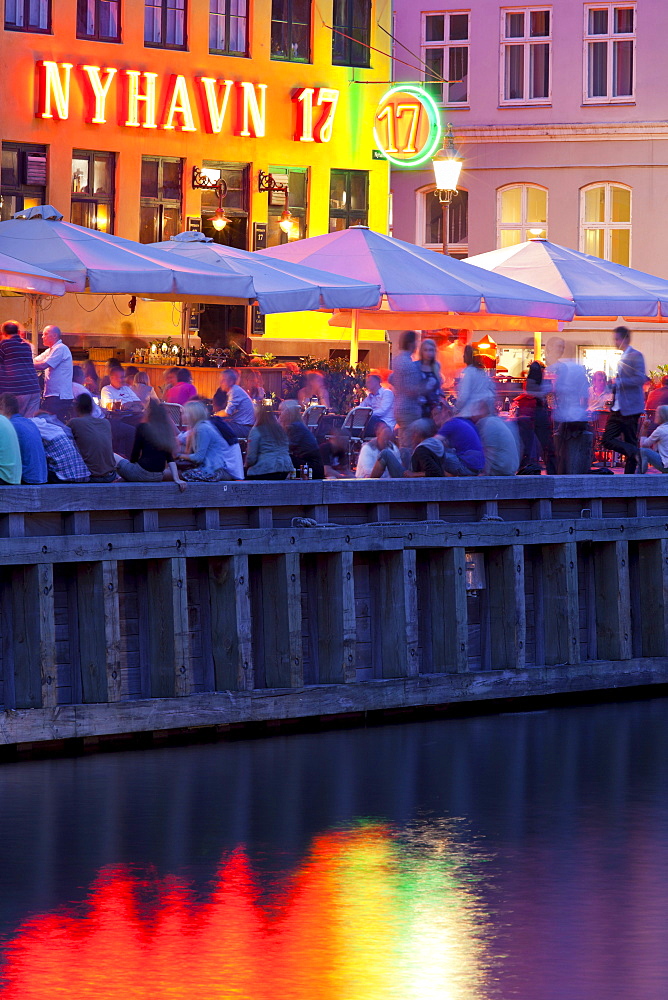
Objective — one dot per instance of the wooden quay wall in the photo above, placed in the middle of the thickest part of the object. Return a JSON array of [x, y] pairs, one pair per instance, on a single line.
[[135, 608]]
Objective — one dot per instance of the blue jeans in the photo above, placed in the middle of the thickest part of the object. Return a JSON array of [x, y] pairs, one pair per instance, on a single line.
[[454, 466]]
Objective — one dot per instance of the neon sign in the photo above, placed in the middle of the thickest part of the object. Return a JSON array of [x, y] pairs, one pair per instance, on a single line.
[[407, 127], [142, 103]]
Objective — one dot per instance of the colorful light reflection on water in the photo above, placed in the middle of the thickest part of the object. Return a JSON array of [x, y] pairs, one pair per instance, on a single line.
[[367, 915]]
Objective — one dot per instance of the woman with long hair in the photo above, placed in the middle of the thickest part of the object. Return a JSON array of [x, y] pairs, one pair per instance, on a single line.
[[303, 446], [475, 389], [154, 449], [431, 379], [209, 456], [141, 386], [268, 456], [91, 378]]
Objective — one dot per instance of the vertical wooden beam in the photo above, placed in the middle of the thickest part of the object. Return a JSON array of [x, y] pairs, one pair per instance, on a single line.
[[507, 608], [282, 621], [112, 628], [561, 609], [145, 520], [32, 641], [653, 578], [229, 598], [336, 626], [449, 613], [208, 519], [14, 525], [77, 522], [99, 632], [167, 613], [392, 577], [261, 517], [613, 600]]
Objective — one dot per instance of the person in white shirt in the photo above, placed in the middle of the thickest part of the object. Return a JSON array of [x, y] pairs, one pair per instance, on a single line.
[[381, 401], [239, 413], [656, 442], [118, 392], [78, 389], [371, 449], [56, 363]]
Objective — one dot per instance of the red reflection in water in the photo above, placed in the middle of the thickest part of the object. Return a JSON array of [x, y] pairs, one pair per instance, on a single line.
[[365, 917]]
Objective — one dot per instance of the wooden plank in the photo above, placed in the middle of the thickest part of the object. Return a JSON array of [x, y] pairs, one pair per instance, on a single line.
[[14, 525], [208, 519], [92, 640], [47, 634], [613, 603], [112, 628], [261, 517], [229, 598], [145, 520], [77, 522], [560, 606], [653, 592], [31, 652], [167, 612], [450, 617], [507, 610], [282, 620], [389, 635], [335, 610], [411, 612]]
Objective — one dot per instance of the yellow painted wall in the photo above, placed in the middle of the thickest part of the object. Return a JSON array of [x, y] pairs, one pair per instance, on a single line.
[[350, 147]]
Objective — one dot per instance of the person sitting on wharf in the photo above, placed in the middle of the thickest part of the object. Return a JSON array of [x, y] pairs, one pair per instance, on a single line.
[[303, 446], [209, 457], [93, 439], [268, 455], [499, 444], [154, 449], [56, 363], [426, 459], [10, 453], [117, 392], [464, 454], [180, 388], [656, 442], [239, 411], [79, 389], [64, 463], [140, 384], [33, 457], [381, 401], [372, 448], [17, 372], [335, 455]]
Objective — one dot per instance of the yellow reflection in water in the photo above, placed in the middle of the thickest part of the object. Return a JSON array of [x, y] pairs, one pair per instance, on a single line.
[[367, 916]]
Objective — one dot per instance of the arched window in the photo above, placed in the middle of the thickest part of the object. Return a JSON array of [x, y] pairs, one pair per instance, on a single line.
[[605, 222], [521, 213], [430, 222]]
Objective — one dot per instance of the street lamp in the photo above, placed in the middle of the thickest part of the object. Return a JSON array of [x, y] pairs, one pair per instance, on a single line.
[[447, 168]]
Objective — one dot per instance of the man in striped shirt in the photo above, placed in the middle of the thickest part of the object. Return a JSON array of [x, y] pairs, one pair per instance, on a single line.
[[17, 372]]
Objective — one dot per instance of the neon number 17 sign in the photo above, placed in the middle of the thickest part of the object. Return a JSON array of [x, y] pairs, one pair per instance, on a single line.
[[407, 126]]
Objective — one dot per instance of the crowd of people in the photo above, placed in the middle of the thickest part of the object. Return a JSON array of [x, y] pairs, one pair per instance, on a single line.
[[79, 427]]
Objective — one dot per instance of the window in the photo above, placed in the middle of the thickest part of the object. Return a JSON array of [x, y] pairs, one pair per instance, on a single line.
[[22, 178], [348, 199], [99, 20], [525, 55], [457, 223], [28, 15], [352, 33], [522, 213], [445, 53], [165, 23], [93, 190], [605, 231], [291, 30], [297, 181], [228, 27], [610, 45], [160, 205], [236, 202]]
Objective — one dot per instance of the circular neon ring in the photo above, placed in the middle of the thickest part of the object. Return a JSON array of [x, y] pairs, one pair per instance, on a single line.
[[435, 127]]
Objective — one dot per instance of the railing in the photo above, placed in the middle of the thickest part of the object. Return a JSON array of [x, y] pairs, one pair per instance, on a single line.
[[134, 607]]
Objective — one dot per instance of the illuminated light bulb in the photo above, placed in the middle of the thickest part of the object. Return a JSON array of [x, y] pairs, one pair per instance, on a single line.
[[536, 232], [219, 220], [286, 220]]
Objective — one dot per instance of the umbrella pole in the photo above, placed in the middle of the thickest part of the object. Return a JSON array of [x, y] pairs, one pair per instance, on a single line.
[[355, 339], [33, 324], [537, 345]]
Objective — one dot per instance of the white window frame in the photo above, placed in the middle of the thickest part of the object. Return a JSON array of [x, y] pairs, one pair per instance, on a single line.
[[524, 226], [445, 46], [610, 38], [607, 225], [421, 195], [527, 42]]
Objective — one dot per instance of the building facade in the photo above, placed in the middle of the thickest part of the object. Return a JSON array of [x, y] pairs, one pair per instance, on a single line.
[[111, 107], [560, 116]]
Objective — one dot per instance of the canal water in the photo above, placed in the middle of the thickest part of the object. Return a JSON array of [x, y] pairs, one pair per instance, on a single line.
[[510, 856]]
